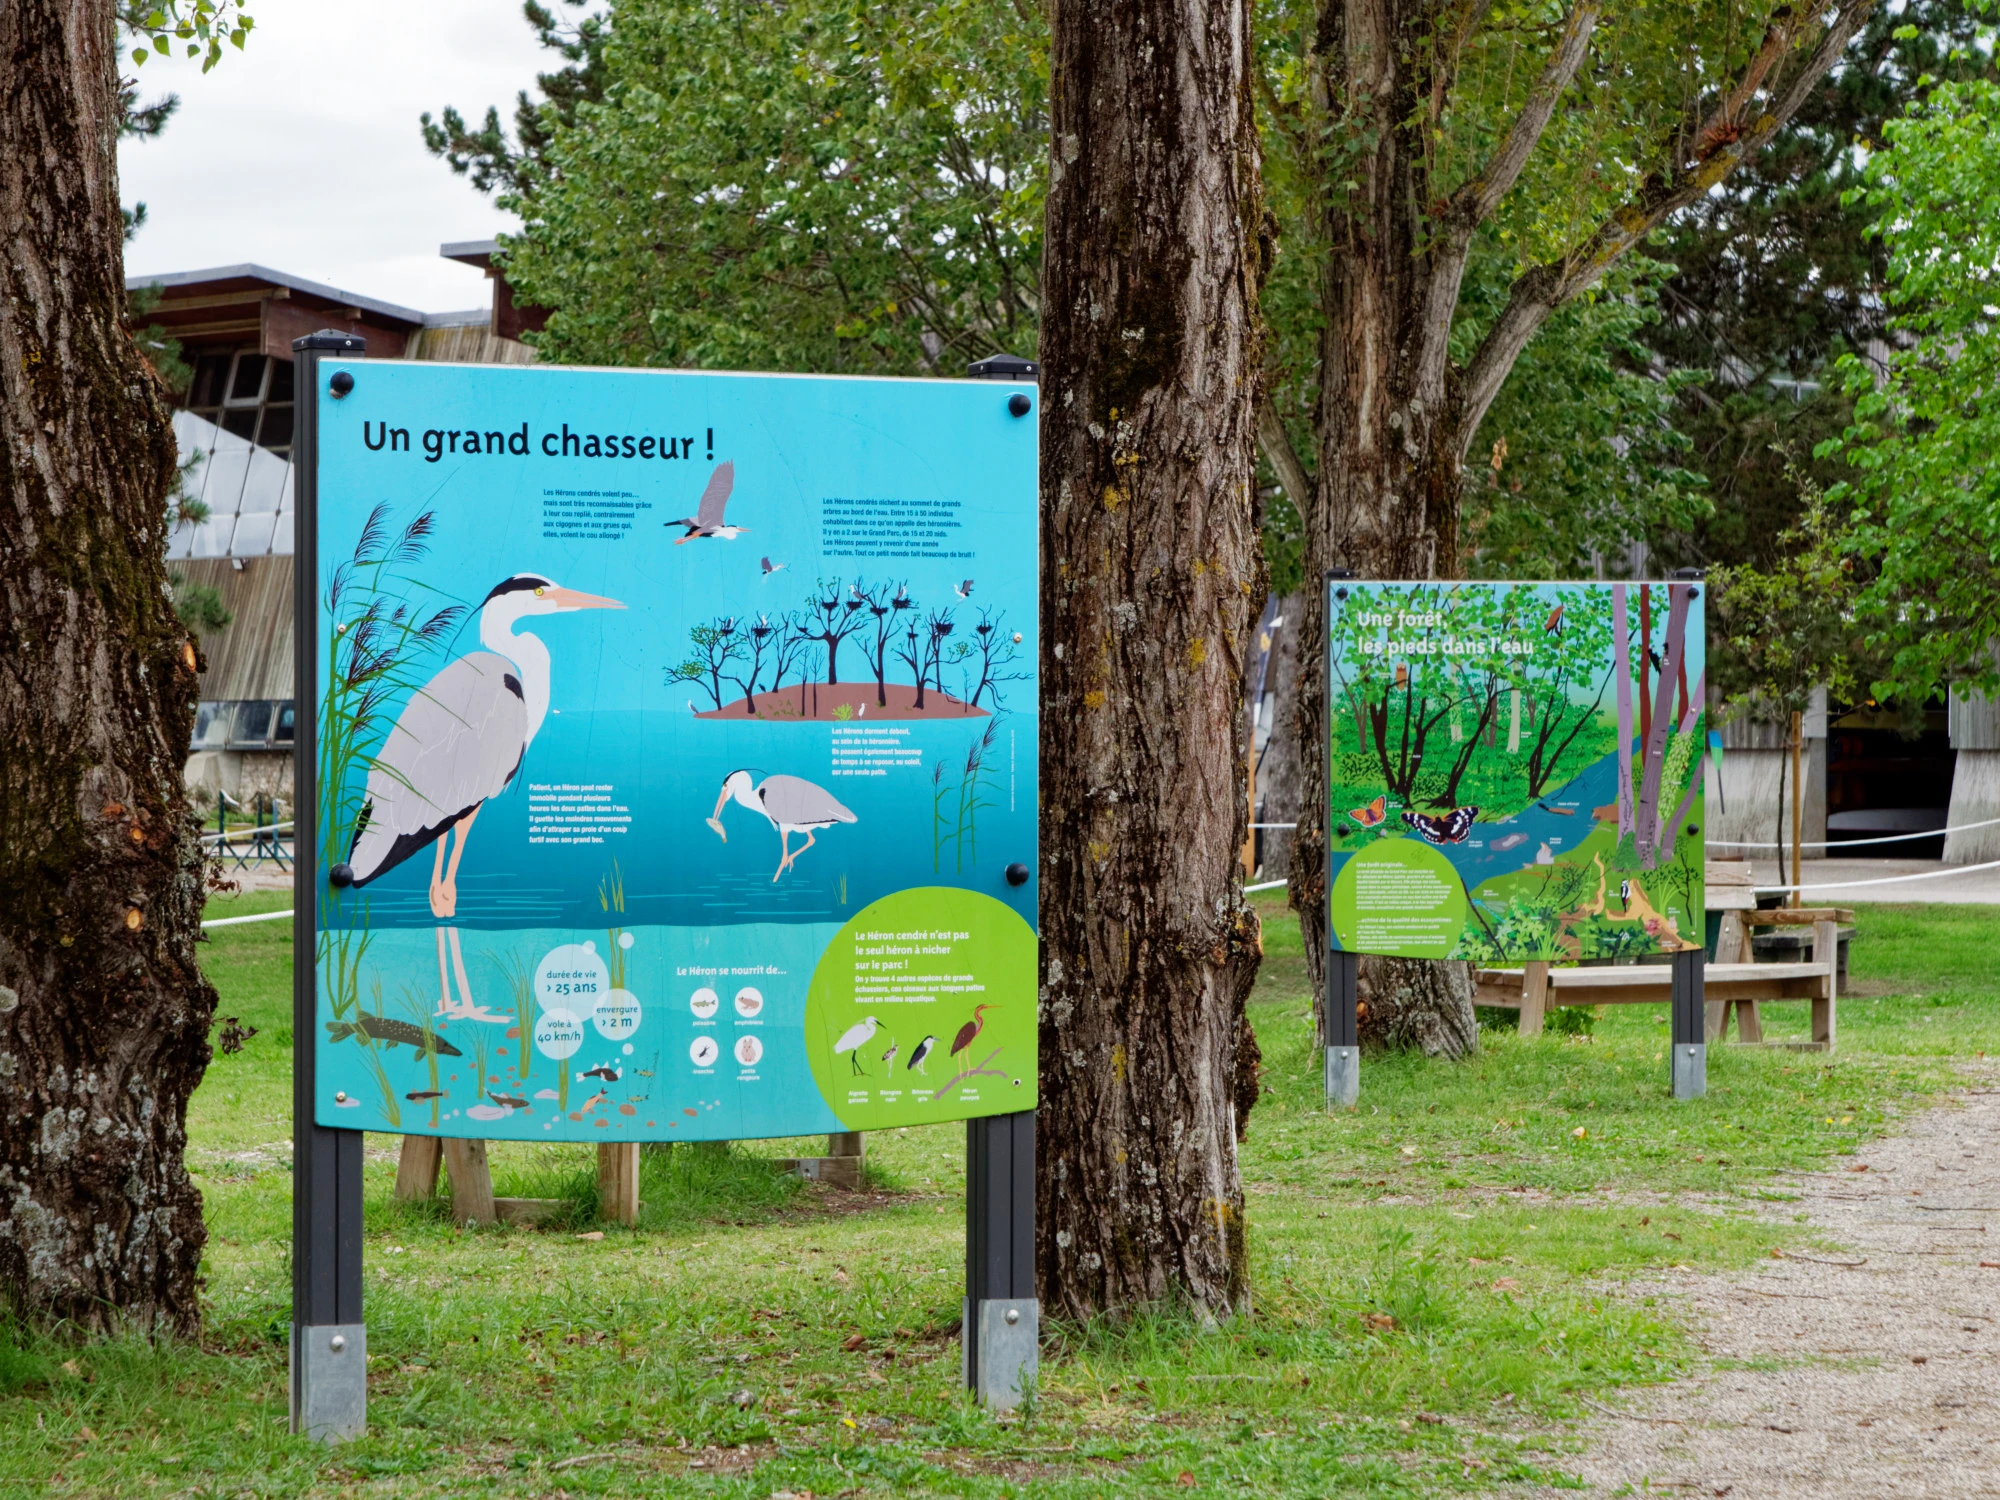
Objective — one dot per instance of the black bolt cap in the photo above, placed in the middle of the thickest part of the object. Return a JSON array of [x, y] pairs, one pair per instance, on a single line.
[[1017, 873], [341, 384], [341, 875], [1019, 404]]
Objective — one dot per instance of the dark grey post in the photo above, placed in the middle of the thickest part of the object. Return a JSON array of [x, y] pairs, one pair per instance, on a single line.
[[1001, 1335], [1343, 1049], [1001, 1332], [329, 1375]]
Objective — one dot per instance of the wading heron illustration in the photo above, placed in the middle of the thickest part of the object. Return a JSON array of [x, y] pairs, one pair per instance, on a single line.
[[789, 804], [969, 1032], [854, 1039], [917, 1055], [707, 518], [459, 740]]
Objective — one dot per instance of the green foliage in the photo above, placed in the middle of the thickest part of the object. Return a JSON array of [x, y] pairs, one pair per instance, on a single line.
[[831, 186], [1925, 443], [1778, 634], [200, 26]]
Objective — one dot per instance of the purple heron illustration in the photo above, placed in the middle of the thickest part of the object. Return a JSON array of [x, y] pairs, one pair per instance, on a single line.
[[789, 804], [707, 518], [969, 1032], [459, 740]]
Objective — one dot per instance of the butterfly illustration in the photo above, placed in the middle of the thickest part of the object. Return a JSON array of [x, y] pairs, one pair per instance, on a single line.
[[1372, 815], [1449, 829]]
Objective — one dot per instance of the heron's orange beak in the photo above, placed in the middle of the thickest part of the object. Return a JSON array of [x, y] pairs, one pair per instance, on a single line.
[[573, 599], [720, 802]]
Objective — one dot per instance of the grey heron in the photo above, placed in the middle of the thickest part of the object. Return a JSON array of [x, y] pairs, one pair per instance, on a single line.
[[789, 804], [459, 740], [707, 518]]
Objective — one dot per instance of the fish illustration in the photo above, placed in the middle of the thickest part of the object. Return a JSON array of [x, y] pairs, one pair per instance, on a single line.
[[512, 1101], [1512, 841], [590, 1104], [419, 1095], [603, 1070], [389, 1033]]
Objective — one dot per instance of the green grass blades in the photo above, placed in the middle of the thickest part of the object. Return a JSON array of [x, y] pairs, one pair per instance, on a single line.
[[1433, 1276]]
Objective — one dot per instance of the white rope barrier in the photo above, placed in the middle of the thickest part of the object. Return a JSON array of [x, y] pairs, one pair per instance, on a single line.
[[1894, 838], [1269, 885], [1846, 885], [240, 833], [262, 916]]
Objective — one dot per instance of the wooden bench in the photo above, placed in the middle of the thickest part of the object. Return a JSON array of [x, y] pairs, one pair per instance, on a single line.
[[1737, 985]]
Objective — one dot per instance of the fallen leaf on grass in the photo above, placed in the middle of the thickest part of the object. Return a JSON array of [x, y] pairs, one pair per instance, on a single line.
[[595, 1234], [1185, 1480], [1506, 1284], [854, 1341], [1379, 1320]]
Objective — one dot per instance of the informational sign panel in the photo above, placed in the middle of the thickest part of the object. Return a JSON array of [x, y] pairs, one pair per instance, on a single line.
[[675, 735], [1516, 769]]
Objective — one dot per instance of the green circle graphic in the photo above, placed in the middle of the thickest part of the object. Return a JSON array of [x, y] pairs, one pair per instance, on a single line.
[[1399, 897], [951, 966]]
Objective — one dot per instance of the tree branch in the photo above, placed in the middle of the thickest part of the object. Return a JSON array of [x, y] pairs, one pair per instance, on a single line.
[[1480, 194], [1277, 447], [1539, 292]]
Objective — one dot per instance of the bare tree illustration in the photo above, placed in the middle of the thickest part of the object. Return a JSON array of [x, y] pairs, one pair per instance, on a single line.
[[837, 613]]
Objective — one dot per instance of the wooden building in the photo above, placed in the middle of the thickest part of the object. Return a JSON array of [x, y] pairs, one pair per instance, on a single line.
[[235, 327]]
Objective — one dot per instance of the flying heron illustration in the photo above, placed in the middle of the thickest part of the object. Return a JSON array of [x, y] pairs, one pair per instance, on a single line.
[[707, 518], [969, 1032], [769, 566], [789, 804], [918, 1053], [964, 590], [459, 740], [854, 1039]]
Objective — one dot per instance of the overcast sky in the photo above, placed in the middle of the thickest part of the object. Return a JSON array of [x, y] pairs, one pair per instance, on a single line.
[[303, 152]]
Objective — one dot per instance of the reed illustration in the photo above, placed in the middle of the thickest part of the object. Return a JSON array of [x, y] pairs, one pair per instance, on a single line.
[[611, 896], [518, 974], [371, 1057], [955, 807]]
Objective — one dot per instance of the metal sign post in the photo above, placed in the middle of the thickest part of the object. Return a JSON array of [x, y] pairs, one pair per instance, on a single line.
[[329, 1354]]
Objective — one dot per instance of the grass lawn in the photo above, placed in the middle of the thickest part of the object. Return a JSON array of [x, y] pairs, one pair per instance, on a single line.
[[1427, 1271]]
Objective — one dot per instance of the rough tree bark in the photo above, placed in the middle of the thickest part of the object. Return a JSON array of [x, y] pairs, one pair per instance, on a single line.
[[1151, 584], [103, 1013], [1396, 414]]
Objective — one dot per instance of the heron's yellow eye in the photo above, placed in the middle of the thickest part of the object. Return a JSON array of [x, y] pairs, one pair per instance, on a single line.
[[540, 592]]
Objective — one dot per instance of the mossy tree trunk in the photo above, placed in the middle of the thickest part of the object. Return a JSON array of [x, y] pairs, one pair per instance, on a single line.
[[103, 1013], [1151, 587]]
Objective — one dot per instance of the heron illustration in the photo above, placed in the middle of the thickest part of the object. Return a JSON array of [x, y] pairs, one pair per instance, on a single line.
[[854, 1039], [889, 1057], [789, 804], [769, 566], [459, 740], [707, 518], [969, 1032], [964, 590], [918, 1053]]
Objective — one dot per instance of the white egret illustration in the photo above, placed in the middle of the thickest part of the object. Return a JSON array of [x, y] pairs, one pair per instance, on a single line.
[[789, 804], [459, 740], [854, 1039]]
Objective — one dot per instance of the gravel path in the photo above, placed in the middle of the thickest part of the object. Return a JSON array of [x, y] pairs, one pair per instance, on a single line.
[[1875, 1379]]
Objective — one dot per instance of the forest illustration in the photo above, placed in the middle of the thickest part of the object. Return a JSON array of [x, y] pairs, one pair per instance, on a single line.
[[900, 660], [1547, 739]]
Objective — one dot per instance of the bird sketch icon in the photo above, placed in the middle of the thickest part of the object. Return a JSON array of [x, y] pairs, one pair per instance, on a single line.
[[529, 697]]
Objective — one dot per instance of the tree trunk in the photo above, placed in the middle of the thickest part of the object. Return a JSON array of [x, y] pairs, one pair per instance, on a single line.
[[1278, 773], [1151, 585], [103, 1013]]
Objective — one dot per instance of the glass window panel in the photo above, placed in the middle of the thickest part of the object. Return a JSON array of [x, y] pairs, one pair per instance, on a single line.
[[281, 381], [277, 429], [242, 422], [205, 389], [281, 732], [253, 722], [248, 384], [211, 725]]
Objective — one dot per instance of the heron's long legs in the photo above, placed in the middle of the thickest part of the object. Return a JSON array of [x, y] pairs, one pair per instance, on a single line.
[[792, 855], [446, 893], [784, 852], [444, 979], [440, 906], [458, 969]]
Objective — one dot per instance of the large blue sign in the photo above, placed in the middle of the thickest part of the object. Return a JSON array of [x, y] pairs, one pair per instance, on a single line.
[[675, 735]]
